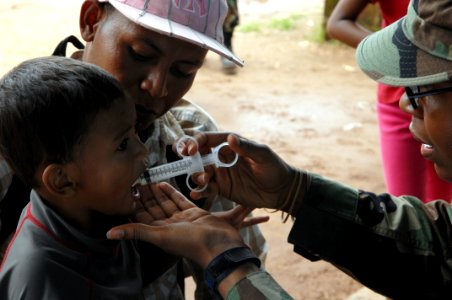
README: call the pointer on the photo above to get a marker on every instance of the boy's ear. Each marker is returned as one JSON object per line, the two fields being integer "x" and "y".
{"x": 59, "y": 179}
{"x": 91, "y": 13}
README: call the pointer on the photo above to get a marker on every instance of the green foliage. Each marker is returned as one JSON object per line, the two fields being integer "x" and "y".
{"x": 285, "y": 24}
{"x": 318, "y": 34}
{"x": 281, "y": 24}
{"x": 251, "y": 27}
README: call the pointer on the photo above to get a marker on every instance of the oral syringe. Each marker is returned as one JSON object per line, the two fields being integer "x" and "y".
{"x": 187, "y": 165}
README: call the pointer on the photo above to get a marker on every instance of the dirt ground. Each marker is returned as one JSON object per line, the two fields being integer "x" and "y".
{"x": 307, "y": 100}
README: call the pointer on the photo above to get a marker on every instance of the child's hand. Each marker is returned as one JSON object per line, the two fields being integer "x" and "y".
{"x": 181, "y": 228}
{"x": 150, "y": 210}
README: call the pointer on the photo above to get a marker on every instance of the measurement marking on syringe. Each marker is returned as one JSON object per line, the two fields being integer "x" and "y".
{"x": 188, "y": 165}
{"x": 171, "y": 168}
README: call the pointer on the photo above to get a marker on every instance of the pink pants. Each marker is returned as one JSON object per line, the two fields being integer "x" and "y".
{"x": 406, "y": 172}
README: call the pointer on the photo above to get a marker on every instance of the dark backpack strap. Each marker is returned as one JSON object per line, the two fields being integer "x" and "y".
{"x": 60, "y": 49}
{"x": 11, "y": 207}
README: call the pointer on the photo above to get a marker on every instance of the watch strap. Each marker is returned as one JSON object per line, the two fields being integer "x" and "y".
{"x": 225, "y": 263}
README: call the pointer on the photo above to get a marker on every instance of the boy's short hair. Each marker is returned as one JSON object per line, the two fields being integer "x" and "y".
{"x": 47, "y": 106}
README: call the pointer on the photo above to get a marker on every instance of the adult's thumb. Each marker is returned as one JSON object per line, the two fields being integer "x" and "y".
{"x": 132, "y": 231}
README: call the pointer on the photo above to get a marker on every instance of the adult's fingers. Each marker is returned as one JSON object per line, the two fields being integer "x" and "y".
{"x": 207, "y": 140}
{"x": 235, "y": 216}
{"x": 185, "y": 146}
{"x": 249, "y": 149}
{"x": 254, "y": 220}
{"x": 212, "y": 189}
{"x": 241, "y": 218}
{"x": 242, "y": 146}
{"x": 136, "y": 231}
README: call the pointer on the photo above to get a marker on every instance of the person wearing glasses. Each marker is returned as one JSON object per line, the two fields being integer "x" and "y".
{"x": 398, "y": 246}
{"x": 406, "y": 172}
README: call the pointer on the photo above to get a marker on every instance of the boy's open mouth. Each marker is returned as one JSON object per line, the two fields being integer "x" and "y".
{"x": 135, "y": 192}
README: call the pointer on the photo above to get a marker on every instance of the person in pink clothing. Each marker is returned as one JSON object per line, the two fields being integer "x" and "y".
{"x": 405, "y": 170}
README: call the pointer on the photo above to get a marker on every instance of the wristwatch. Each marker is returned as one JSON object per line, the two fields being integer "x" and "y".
{"x": 226, "y": 262}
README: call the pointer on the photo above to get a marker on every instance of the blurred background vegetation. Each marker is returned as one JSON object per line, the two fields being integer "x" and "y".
{"x": 369, "y": 18}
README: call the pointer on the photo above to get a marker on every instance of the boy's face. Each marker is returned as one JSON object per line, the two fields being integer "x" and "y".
{"x": 431, "y": 124}
{"x": 110, "y": 160}
{"x": 154, "y": 69}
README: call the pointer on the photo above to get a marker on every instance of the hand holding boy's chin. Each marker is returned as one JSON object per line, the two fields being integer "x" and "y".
{"x": 168, "y": 220}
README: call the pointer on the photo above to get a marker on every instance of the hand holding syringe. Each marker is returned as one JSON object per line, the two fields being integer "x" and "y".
{"x": 187, "y": 165}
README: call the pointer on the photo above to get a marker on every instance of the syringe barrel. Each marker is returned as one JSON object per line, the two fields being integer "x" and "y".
{"x": 187, "y": 165}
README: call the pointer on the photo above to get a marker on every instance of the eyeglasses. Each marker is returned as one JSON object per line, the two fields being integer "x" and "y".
{"x": 413, "y": 94}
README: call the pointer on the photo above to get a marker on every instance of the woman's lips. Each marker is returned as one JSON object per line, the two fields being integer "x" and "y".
{"x": 427, "y": 150}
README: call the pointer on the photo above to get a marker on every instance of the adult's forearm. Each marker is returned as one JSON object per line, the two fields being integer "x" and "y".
{"x": 256, "y": 285}
{"x": 396, "y": 246}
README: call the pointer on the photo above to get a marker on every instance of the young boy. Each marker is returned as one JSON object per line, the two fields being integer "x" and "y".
{"x": 68, "y": 131}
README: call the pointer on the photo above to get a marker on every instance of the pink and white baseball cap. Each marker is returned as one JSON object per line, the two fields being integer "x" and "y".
{"x": 196, "y": 21}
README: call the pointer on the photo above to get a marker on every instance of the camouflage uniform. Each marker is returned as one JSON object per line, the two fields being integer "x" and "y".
{"x": 399, "y": 247}
{"x": 258, "y": 286}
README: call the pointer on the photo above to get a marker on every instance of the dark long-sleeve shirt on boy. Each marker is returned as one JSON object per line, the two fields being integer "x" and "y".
{"x": 50, "y": 259}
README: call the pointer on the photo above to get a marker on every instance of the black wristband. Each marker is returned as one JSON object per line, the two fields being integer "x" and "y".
{"x": 225, "y": 263}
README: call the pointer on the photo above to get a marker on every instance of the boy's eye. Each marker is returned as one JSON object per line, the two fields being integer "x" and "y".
{"x": 123, "y": 145}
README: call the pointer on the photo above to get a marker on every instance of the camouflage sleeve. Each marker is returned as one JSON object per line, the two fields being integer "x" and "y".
{"x": 397, "y": 246}
{"x": 258, "y": 286}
